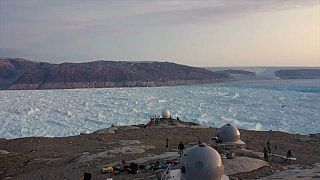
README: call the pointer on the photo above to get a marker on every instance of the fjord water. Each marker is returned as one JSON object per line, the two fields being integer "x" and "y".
{"x": 283, "y": 105}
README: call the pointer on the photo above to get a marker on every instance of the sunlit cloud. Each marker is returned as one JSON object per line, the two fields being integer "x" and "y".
{"x": 86, "y": 30}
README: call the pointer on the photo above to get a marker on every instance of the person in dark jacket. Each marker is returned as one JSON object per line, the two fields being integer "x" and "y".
{"x": 265, "y": 154}
{"x": 181, "y": 148}
{"x": 167, "y": 144}
{"x": 289, "y": 155}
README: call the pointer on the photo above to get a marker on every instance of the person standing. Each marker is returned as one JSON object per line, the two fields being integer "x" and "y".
{"x": 181, "y": 148}
{"x": 167, "y": 144}
{"x": 269, "y": 145}
{"x": 289, "y": 155}
{"x": 265, "y": 154}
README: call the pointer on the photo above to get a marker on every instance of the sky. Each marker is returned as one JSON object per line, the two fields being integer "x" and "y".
{"x": 199, "y": 33}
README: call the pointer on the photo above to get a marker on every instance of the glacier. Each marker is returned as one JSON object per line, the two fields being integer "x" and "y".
{"x": 280, "y": 105}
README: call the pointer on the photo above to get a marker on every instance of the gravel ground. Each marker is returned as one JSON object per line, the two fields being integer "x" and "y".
{"x": 56, "y": 158}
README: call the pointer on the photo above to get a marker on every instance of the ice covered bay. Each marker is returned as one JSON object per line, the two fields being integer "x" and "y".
{"x": 291, "y": 106}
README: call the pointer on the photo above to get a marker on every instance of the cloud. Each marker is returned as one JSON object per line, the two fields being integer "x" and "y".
{"x": 80, "y": 14}
{"x": 34, "y": 25}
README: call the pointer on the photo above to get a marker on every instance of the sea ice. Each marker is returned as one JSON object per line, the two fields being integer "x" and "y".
{"x": 284, "y": 105}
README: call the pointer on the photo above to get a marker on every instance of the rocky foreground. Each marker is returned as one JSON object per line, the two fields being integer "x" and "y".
{"x": 71, "y": 157}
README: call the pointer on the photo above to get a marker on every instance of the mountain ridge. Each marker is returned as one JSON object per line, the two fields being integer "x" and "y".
{"x": 24, "y": 74}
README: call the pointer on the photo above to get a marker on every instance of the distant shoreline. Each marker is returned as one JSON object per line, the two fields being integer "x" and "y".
{"x": 22, "y": 74}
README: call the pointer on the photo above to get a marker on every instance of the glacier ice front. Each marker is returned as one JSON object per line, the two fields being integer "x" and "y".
{"x": 291, "y": 106}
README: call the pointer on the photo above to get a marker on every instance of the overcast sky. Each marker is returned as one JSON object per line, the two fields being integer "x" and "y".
{"x": 198, "y": 33}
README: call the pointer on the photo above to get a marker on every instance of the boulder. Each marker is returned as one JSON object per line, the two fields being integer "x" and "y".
{"x": 3, "y": 152}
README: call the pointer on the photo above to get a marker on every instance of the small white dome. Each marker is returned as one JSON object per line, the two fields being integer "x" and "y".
{"x": 166, "y": 114}
{"x": 201, "y": 162}
{"x": 228, "y": 133}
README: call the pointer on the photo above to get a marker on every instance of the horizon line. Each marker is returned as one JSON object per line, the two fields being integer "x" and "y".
{"x": 140, "y": 61}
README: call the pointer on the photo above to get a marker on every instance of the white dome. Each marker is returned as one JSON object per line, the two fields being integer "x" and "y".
{"x": 228, "y": 133}
{"x": 166, "y": 114}
{"x": 201, "y": 162}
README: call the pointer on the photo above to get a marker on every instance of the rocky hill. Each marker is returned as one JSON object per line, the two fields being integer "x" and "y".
{"x": 25, "y": 74}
